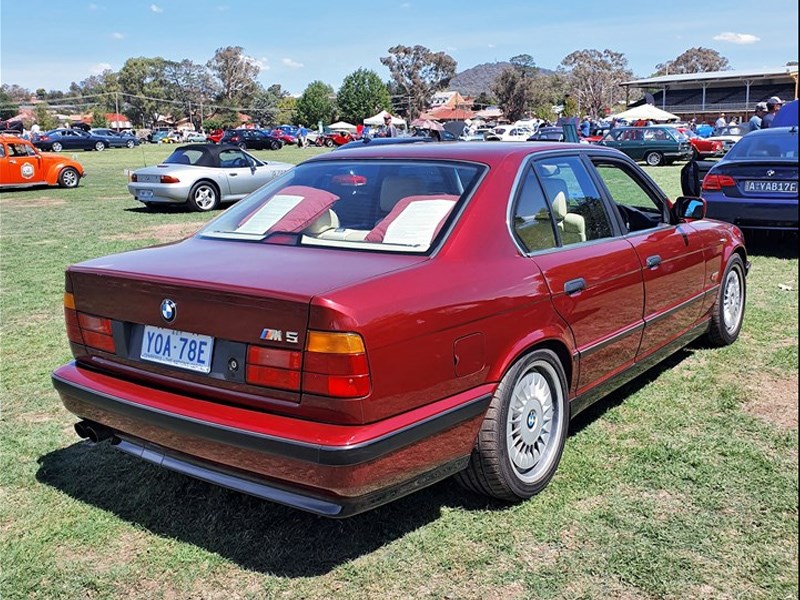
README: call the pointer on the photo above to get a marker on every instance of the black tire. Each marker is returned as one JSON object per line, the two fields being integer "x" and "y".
{"x": 130, "y": 144}
{"x": 536, "y": 386}
{"x": 695, "y": 154}
{"x": 56, "y": 147}
{"x": 69, "y": 178}
{"x": 203, "y": 197}
{"x": 329, "y": 143}
{"x": 727, "y": 314}
{"x": 654, "y": 159}
{"x": 275, "y": 145}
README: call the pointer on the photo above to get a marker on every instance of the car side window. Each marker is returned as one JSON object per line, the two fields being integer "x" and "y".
{"x": 637, "y": 206}
{"x": 2, "y": 151}
{"x": 532, "y": 221}
{"x": 232, "y": 159}
{"x": 578, "y": 209}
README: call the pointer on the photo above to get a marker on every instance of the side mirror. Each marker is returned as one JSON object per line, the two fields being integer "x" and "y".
{"x": 689, "y": 208}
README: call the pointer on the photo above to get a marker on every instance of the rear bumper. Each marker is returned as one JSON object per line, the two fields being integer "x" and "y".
{"x": 332, "y": 470}
{"x": 750, "y": 213}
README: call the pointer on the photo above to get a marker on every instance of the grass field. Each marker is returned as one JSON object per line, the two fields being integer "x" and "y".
{"x": 684, "y": 484}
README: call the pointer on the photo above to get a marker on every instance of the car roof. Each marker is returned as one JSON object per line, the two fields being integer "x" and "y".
{"x": 489, "y": 153}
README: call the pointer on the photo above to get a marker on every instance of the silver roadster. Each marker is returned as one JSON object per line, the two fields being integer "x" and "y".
{"x": 202, "y": 176}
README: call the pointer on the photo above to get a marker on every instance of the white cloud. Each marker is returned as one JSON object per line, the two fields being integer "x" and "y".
{"x": 156, "y": 8}
{"x": 288, "y": 62}
{"x": 491, "y": 45}
{"x": 261, "y": 63}
{"x": 117, "y": 35}
{"x": 93, "y": 7}
{"x": 99, "y": 68}
{"x": 737, "y": 38}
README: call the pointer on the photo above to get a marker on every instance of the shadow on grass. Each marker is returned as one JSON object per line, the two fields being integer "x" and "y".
{"x": 158, "y": 209}
{"x": 255, "y": 534}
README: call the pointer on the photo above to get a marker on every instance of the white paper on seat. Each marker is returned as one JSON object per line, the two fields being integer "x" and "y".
{"x": 417, "y": 223}
{"x": 269, "y": 214}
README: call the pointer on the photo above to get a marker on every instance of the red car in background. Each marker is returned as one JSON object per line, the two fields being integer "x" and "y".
{"x": 281, "y": 135}
{"x": 215, "y": 136}
{"x": 377, "y": 319}
{"x": 701, "y": 147}
{"x": 336, "y": 138}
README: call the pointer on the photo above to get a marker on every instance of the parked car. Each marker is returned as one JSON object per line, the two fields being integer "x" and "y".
{"x": 251, "y": 139}
{"x": 702, "y": 148}
{"x": 215, "y": 136}
{"x": 551, "y": 134}
{"x": 22, "y": 165}
{"x": 335, "y": 138}
{"x": 474, "y": 135}
{"x": 193, "y": 137}
{"x": 114, "y": 139}
{"x": 202, "y": 176}
{"x": 372, "y": 142}
{"x": 281, "y": 135}
{"x": 728, "y": 135}
{"x": 755, "y": 184}
{"x": 376, "y": 320}
{"x": 437, "y": 135}
{"x": 508, "y": 133}
{"x": 70, "y": 139}
{"x": 656, "y": 145}
{"x": 157, "y": 134}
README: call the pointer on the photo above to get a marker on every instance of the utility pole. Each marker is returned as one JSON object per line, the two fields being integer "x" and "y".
{"x": 116, "y": 109}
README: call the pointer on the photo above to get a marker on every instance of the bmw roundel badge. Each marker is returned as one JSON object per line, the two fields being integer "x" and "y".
{"x": 168, "y": 310}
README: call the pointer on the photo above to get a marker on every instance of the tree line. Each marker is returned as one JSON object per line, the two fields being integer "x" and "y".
{"x": 214, "y": 94}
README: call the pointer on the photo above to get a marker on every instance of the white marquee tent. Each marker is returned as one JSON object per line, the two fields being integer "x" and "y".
{"x": 343, "y": 126}
{"x": 646, "y": 112}
{"x": 378, "y": 120}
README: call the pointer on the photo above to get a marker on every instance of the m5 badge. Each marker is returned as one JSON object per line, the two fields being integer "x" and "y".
{"x": 276, "y": 335}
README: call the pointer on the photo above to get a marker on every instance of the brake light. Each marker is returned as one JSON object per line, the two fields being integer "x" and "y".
{"x": 717, "y": 182}
{"x": 271, "y": 367}
{"x": 336, "y": 365}
{"x": 87, "y": 330}
{"x": 169, "y": 179}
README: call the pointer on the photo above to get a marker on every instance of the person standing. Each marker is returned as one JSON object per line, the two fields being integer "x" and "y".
{"x": 585, "y": 126}
{"x": 721, "y": 122}
{"x": 302, "y": 136}
{"x": 773, "y": 106}
{"x": 389, "y": 130}
{"x": 758, "y": 113}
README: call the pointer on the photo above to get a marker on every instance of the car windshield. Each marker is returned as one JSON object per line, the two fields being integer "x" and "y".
{"x": 775, "y": 145}
{"x": 379, "y": 205}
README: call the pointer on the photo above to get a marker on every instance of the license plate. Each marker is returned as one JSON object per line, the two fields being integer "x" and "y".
{"x": 144, "y": 194}
{"x": 177, "y": 348}
{"x": 149, "y": 178}
{"x": 781, "y": 187}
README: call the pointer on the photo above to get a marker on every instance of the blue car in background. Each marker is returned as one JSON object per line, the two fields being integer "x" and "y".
{"x": 754, "y": 186}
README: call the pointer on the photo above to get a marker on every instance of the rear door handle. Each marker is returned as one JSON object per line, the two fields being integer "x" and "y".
{"x": 573, "y": 286}
{"x": 233, "y": 174}
{"x": 653, "y": 261}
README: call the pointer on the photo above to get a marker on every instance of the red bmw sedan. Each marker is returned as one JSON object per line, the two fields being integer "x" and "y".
{"x": 380, "y": 318}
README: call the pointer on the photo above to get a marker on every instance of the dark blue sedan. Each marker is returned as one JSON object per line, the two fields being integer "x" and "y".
{"x": 70, "y": 139}
{"x": 755, "y": 185}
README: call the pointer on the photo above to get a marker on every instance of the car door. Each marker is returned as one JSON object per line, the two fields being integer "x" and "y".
{"x": 671, "y": 256}
{"x": 593, "y": 273}
{"x": 243, "y": 172}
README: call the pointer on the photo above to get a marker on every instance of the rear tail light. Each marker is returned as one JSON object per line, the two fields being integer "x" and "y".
{"x": 270, "y": 367}
{"x": 717, "y": 182}
{"x": 336, "y": 365}
{"x": 169, "y": 179}
{"x": 87, "y": 330}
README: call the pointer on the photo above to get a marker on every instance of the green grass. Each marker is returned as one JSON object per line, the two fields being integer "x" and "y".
{"x": 681, "y": 485}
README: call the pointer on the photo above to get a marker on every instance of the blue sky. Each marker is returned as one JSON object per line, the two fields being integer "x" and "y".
{"x": 44, "y": 43}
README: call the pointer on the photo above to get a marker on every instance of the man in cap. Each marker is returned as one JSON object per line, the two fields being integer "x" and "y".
{"x": 758, "y": 114}
{"x": 773, "y": 106}
{"x": 721, "y": 122}
{"x": 389, "y": 129}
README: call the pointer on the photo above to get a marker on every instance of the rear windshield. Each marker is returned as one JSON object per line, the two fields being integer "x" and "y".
{"x": 390, "y": 206}
{"x": 774, "y": 145}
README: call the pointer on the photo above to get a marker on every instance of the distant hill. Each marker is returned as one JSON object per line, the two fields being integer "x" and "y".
{"x": 479, "y": 78}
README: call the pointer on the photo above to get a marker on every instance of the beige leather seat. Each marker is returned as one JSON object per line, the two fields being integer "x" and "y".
{"x": 394, "y": 188}
{"x": 325, "y": 222}
{"x": 572, "y": 226}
